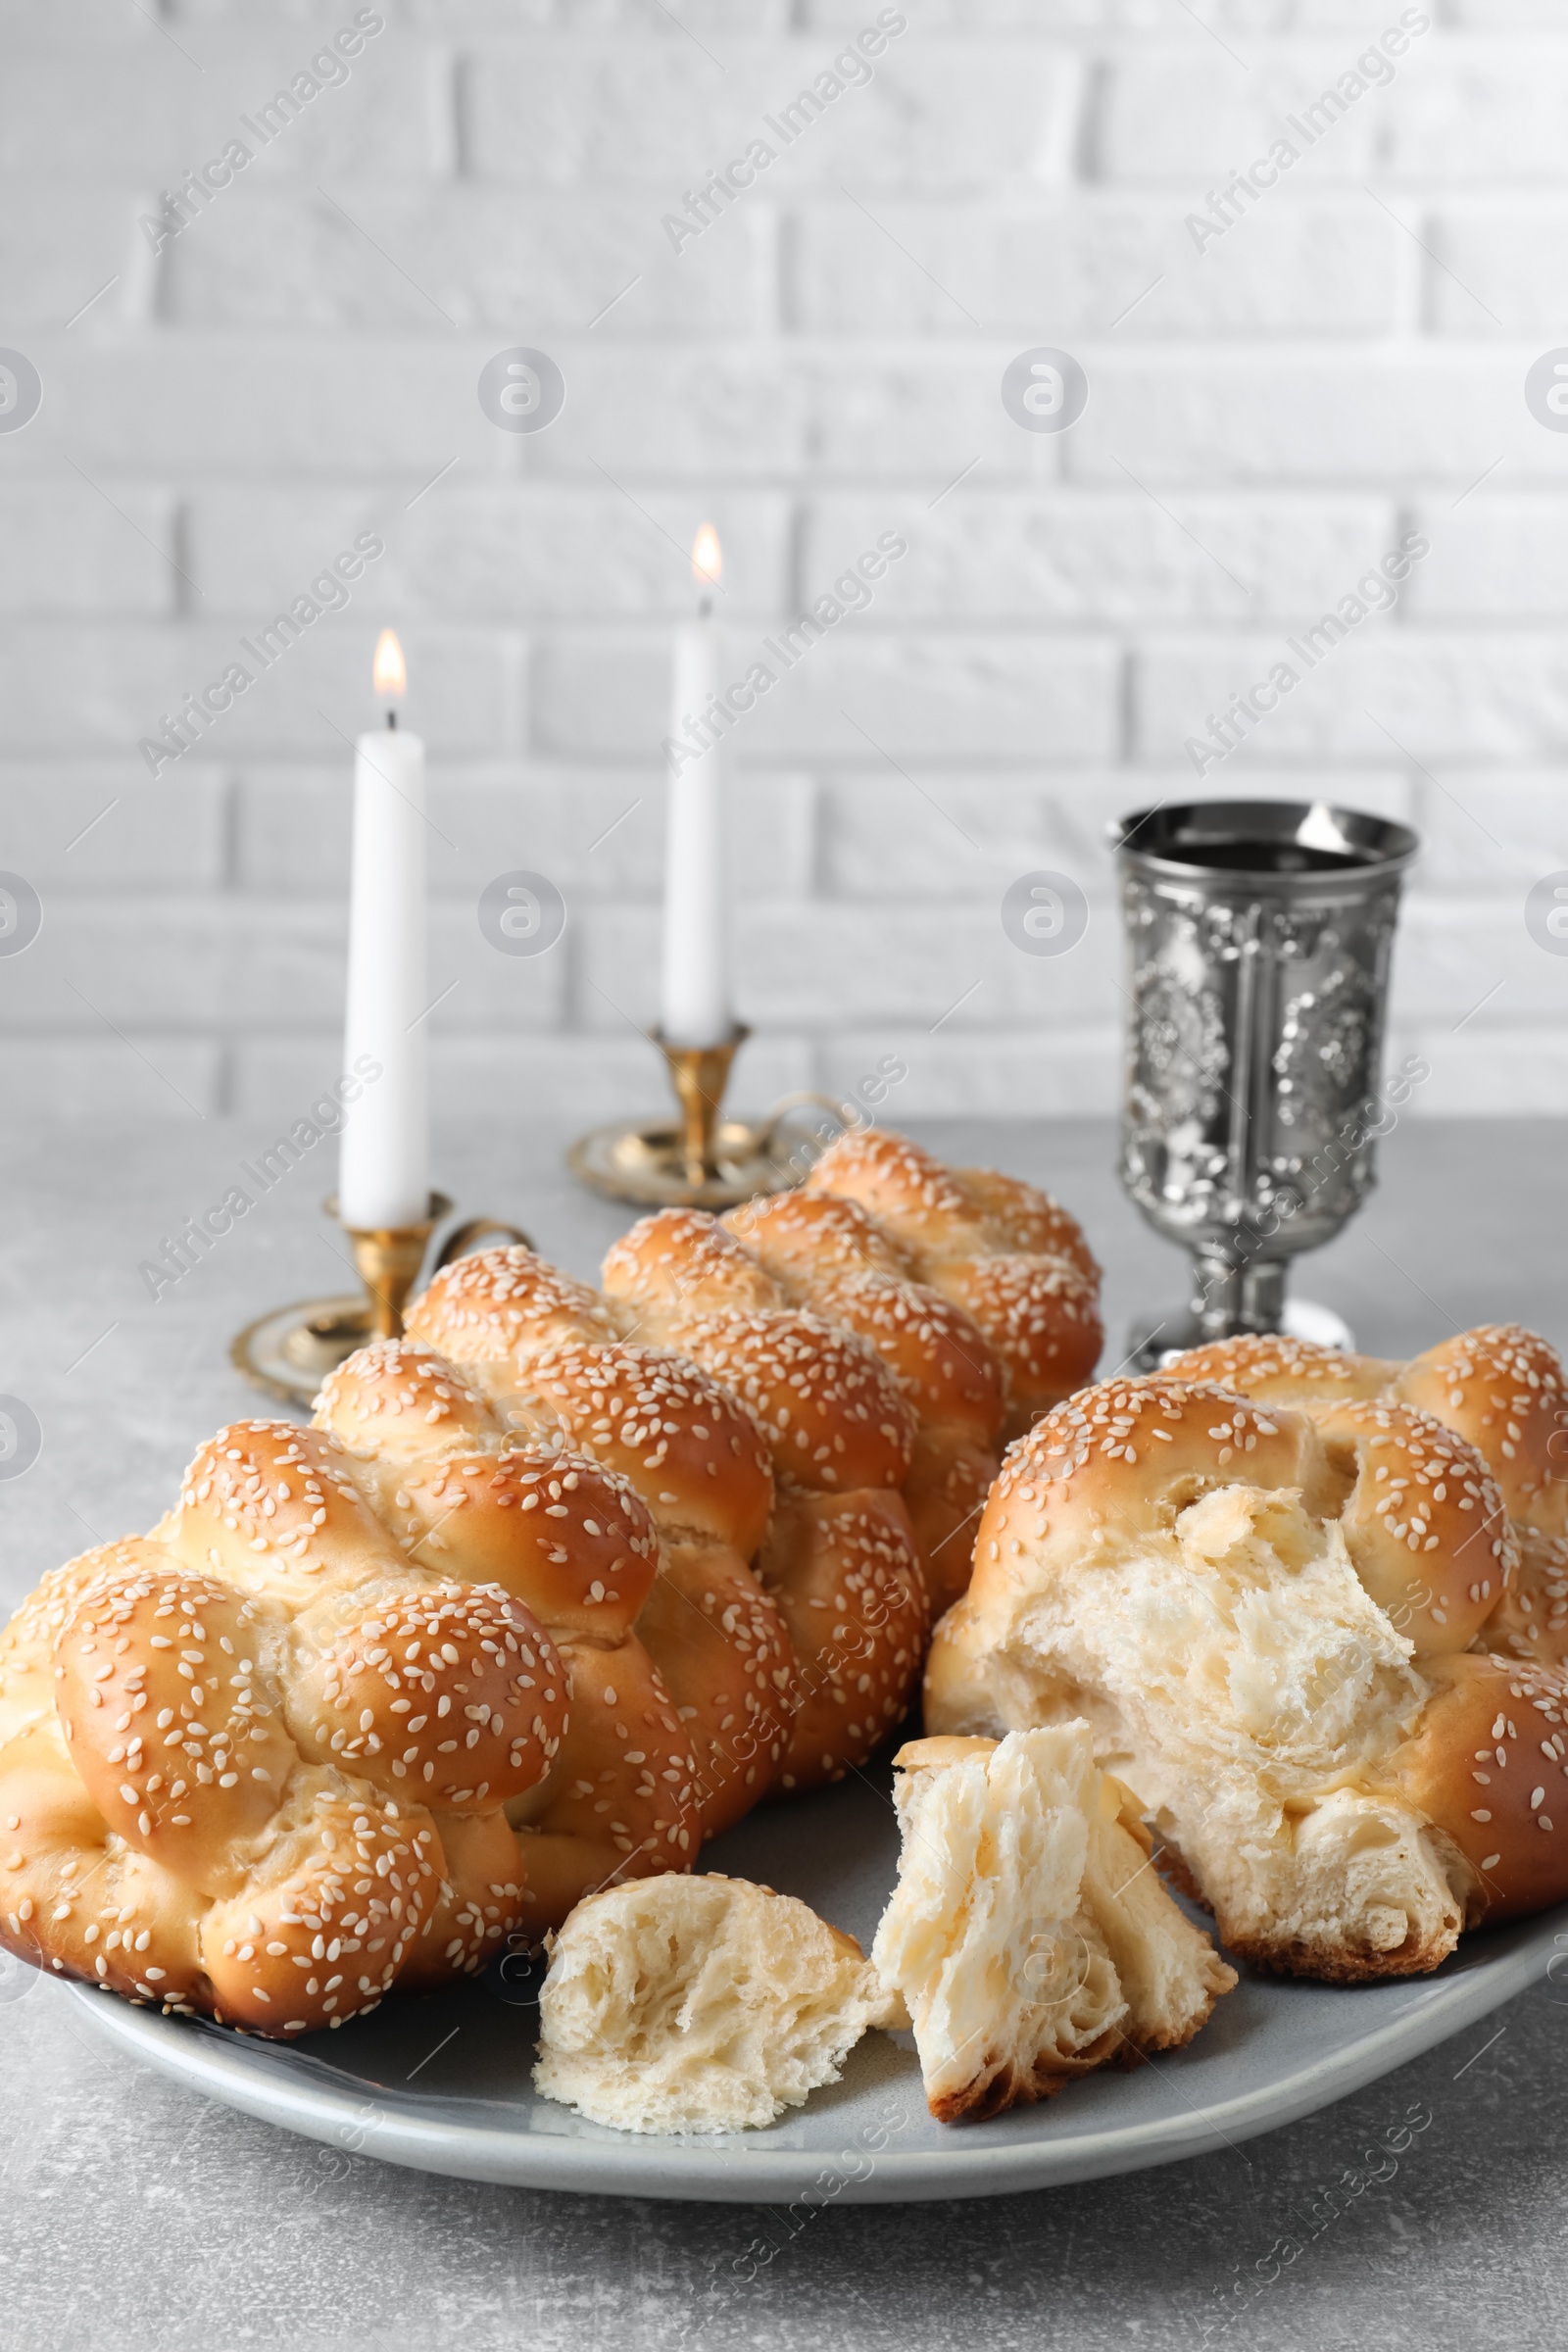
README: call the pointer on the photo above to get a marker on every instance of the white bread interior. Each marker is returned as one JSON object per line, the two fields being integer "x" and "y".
{"x": 698, "y": 2004}
{"x": 1029, "y": 1937}
{"x": 1233, "y": 1666}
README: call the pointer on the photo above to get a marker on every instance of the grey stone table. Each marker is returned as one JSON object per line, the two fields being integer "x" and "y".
{"x": 135, "y": 2215}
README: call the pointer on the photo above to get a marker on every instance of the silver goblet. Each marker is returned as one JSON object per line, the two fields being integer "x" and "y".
{"x": 1259, "y": 935}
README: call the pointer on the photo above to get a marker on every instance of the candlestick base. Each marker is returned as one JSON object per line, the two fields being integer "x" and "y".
{"x": 702, "y": 1159}
{"x": 290, "y": 1352}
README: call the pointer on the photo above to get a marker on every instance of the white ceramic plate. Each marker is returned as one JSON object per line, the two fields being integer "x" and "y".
{"x": 443, "y": 2083}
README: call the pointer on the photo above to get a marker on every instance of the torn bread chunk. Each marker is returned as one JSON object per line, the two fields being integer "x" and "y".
{"x": 1279, "y": 1622}
{"x": 699, "y": 2004}
{"x": 1029, "y": 1936}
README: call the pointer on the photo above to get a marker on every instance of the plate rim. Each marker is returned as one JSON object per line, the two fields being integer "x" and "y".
{"x": 752, "y": 2168}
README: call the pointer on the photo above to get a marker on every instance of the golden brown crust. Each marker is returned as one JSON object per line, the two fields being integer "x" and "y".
{"x": 1288, "y": 1956}
{"x": 911, "y": 1195}
{"x": 723, "y": 1655}
{"x": 259, "y": 1739}
{"x": 279, "y": 1784}
{"x": 324, "y": 1923}
{"x": 1423, "y": 1523}
{"x": 939, "y": 1357}
{"x": 1142, "y": 1449}
{"x": 168, "y": 1694}
{"x": 1000, "y": 2085}
{"x": 453, "y": 1695}
{"x": 833, "y": 1415}
{"x": 1006, "y": 1254}
{"x": 502, "y": 1307}
{"x": 28, "y": 1642}
{"x": 945, "y": 1492}
{"x": 1531, "y": 1621}
{"x": 273, "y": 1509}
{"x": 625, "y": 1777}
{"x": 933, "y": 1211}
{"x": 79, "y": 1901}
{"x": 831, "y": 1258}
{"x": 553, "y": 1528}
{"x": 481, "y": 1897}
{"x": 682, "y": 1263}
{"x": 1489, "y": 1763}
{"x": 1502, "y": 1388}
{"x": 1027, "y": 1218}
{"x": 978, "y": 1292}
{"x": 1274, "y": 1369}
{"x": 804, "y": 1239}
{"x": 1041, "y": 1315}
{"x": 557, "y": 1873}
{"x": 399, "y": 1397}
{"x": 845, "y": 1575}
{"x": 680, "y": 1439}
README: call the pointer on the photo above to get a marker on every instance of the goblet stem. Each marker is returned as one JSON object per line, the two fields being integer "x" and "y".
{"x": 1229, "y": 1298}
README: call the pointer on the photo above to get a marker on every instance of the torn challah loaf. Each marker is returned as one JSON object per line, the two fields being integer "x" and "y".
{"x": 1028, "y": 1940}
{"x": 1274, "y": 1621}
{"x": 698, "y": 2004}
{"x": 1028, "y": 1935}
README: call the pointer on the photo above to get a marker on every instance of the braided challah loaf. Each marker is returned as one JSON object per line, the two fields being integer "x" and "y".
{"x": 380, "y": 1691}
{"x": 224, "y": 1750}
{"x": 859, "y": 1378}
{"x": 790, "y": 1675}
{"x": 977, "y": 1292}
{"x": 1279, "y": 1617}
{"x": 1010, "y": 1256}
{"x": 556, "y": 1587}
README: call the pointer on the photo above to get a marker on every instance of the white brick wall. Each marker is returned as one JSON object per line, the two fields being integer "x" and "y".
{"x": 1267, "y": 416}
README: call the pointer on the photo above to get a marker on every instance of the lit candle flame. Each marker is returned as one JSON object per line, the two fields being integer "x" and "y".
{"x": 390, "y": 673}
{"x": 708, "y": 558}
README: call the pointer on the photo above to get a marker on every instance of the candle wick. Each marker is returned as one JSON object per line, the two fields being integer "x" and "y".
{"x": 392, "y": 718}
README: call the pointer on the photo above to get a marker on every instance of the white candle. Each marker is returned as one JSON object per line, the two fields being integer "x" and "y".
{"x": 385, "y": 1155}
{"x": 696, "y": 1008}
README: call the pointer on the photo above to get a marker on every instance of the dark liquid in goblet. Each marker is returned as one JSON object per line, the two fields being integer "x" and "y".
{"x": 1263, "y": 856}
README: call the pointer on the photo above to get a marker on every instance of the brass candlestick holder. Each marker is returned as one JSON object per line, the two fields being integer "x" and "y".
{"x": 290, "y": 1352}
{"x": 702, "y": 1159}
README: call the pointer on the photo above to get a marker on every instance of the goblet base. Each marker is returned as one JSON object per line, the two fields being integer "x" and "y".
{"x": 1150, "y": 1344}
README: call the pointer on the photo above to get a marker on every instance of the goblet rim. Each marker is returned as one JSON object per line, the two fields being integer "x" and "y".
{"x": 1380, "y": 847}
